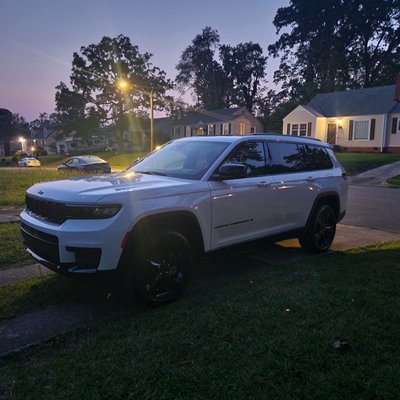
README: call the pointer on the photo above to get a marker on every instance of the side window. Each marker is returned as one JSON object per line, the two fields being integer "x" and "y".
{"x": 286, "y": 157}
{"x": 318, "y": 158}
{"x": 250, "y": 154}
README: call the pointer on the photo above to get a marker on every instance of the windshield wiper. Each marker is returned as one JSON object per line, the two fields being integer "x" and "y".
{"x": 151, "y": 173}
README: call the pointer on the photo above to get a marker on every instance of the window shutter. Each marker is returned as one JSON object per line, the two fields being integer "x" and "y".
{"x": 229, "y": 128}
{"x": 215, "y": 129}
{"x": 309, "y": 129}
{"x": 221, "y": 129}
{"x": 372, "y": 129}
{"x": 288, "y": 129}
{"x": 394, "y": 125}
{"x": 351, "y": 123}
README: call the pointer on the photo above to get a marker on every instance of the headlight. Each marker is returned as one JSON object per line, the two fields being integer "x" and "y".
{"x": 91, "y": 211}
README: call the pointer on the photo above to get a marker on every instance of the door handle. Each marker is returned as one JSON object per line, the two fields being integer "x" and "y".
{"x": 263, "y": 184}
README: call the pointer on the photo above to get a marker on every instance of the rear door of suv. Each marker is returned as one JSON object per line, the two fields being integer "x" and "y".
{"x": 298, "y": 172}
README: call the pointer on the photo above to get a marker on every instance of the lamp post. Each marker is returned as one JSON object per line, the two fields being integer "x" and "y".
{"x": 123, "y": 85}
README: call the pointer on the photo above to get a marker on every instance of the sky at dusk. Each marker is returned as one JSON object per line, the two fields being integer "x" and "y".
{"x": 38, "y": 38}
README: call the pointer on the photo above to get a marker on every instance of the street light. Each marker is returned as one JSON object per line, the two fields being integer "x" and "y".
{"x": 123, "y": 85}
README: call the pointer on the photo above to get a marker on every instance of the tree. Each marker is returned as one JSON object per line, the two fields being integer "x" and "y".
{"x": 96, "y": 94}
{"x": 6, "y": 129}
{"x": 232, "y": 78}
{"x": 199, "y": 70}
{"x": 244, "y": 65}
{"x": 336, "y": 45}
{"x": 11, "y": 124}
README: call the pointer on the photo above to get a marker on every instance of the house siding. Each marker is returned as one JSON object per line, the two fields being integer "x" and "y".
{"x": 300, "y": 116}
{"x": 349, "y": 141}
{"x": 393, "y": 139}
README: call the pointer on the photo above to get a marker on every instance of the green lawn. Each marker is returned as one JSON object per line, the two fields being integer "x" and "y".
{"x": 355, "y": 163}
{"x": 265, "y": 333}
{"x": 395, "y": 181}
{"x": 12, "y": 251}
{"x": 117, "y": 161}
{"x": 14, "y": 183}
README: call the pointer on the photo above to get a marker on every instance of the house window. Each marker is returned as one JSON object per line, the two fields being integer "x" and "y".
{"x": 295, "y": 129}
{"x": 242, "y": 128}
{"x": 361, "y": 130}
{"x": 176, "y": 131}
{"x": 225, "y": 129}
{"x": 210, "y": 129}
{"x": 252, "y": 129}
{"x": 187, "y": 131}
{"x": 303, "y": 129}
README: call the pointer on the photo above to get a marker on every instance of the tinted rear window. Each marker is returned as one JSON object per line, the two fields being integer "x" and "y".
{"x": 296, "y": 157}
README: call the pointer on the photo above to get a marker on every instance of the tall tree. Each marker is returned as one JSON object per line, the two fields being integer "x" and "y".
{"x": 198, "y": 69}
{"x": 98, "y": 71}
{"x": 222, "y": 76}
{"x": 12, "y": 124}
{"x": 336, "y": 44}
{"x": 72, "y": 112}
{"x": 244, "y": 66}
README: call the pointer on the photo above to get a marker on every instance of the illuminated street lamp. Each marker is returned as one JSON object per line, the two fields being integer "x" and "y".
{"x": 123, "y": 85}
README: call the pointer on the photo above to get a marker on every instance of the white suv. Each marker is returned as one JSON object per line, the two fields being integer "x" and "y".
{"x": 194, "y": 195}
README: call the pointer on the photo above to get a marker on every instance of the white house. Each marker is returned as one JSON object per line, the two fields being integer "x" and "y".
{"x": 358, "y": 120}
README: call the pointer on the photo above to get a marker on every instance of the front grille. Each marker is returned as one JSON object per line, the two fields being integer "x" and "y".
{"x": 42, "y": 244}
{"x": 50, "y": 210}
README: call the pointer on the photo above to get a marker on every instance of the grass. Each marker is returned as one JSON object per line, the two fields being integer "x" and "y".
{"x": 267, "y": 332}
{"x": 117, "y": 161}
{"x": 395, "y": 181}
{"x": 15, "y": 182}
{"x": 356, "y": 163}
{"x": 12, "y": 251}
{"x": 33, "y": 294}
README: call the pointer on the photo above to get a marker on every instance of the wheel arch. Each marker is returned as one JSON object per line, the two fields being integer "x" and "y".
{"x": 183, "y": 222}
{"x": 331, "y": 199}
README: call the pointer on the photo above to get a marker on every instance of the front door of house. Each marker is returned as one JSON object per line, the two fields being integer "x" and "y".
{"x": 331, "y": 137}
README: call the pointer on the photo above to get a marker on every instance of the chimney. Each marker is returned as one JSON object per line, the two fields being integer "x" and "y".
{"x": 397, "y": 91}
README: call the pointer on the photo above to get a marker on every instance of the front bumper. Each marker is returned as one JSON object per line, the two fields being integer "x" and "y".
{"x": 76, "y": 247}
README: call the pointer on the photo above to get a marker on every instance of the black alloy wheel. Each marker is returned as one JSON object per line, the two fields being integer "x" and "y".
{"x": 319, "y": 235}
{"x": 162, "y": 268}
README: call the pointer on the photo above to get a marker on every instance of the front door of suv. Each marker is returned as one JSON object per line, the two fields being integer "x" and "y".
{"x": 243, "y": 209}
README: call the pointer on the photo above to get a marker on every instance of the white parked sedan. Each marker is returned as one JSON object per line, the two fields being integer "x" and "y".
{"x": 29, "y": 162}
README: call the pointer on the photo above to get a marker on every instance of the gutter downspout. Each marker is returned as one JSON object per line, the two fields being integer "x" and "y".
{"x": 385, "y": 119}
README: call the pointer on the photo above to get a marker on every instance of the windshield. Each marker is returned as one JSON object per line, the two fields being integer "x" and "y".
{"x": 181, "y": 159}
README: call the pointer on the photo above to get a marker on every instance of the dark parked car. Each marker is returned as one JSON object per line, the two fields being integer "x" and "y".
{"x": 89, "y": 164}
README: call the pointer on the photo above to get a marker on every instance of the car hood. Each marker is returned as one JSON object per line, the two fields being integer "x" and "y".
{"x": 94, "y": 188}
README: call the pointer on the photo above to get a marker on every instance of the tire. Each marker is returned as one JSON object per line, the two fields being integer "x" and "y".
{"x": 319, "y": 235}
{"x": 162, "y": 268}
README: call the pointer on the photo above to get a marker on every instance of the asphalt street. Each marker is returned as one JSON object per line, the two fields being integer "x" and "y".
{"x": 373, "y": 207}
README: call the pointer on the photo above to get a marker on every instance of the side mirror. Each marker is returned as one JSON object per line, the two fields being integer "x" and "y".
{"x": 232, "y": 171}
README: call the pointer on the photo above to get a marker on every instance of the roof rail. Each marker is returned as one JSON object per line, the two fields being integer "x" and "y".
{"x": 281, "y": 134}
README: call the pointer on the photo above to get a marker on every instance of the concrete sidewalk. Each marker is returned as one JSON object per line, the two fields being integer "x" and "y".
{"x": 377, "y": 176}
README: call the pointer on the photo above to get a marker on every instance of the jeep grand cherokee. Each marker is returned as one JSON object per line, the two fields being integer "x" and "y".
{"x": 192, "y": 196}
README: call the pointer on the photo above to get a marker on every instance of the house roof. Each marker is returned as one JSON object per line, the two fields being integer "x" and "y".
{"x": 369, "y": 101}
{"x": 224, "y": 114}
